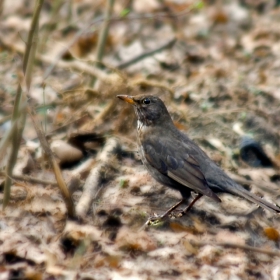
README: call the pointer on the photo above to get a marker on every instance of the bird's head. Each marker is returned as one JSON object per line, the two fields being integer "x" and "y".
{"x": 150, "y": 110}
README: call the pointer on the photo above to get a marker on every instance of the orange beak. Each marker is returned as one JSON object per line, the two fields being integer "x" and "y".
{"x": 127, "y": 98}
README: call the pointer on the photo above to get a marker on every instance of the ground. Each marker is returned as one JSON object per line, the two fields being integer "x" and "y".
{"x": 216, "y": 66}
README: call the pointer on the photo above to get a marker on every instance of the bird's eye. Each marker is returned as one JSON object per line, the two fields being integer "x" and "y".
{"x": 146, "y": 101}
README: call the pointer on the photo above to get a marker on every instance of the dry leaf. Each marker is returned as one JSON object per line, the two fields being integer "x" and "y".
{"x": 272, "y": 234}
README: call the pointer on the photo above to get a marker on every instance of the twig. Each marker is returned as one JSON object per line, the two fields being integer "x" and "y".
{"x": 144, "y": 55}
{"x": 104, "y": 31}
{"x": 84, "y": 167}
{"x": 103, "y": 37}
{"x": 238, "y": 246}
{"x": 30, "y": 179}
{"x": 59, "y": 178}
{"x": 92, "y": 185}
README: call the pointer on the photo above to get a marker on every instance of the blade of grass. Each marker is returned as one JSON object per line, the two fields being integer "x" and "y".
{"x": 104, "y": 32}
{"x": 15, "y": 137}
{"x": 103, "y": 36}
{"x": 32, "y": 31}
{"x": 52, "y": 22}
{"x": 18, "y": 115}
{"x": 31, "y": 58}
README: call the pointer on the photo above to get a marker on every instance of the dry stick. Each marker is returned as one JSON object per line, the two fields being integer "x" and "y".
{"x": 104, "y": 31}
{"x": 92, "y": 184}
{"x": 84, "y": 167}
{"x": 59, "y": 178}
{"x": 237, "y": 246}
{"x": 30, "y": 179}
{"x": 144, "y": 55}
{"x": 103, "y": 36}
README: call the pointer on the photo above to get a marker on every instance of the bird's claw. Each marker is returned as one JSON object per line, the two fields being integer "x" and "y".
{"x": 177, "y": 214}
{"x": 154, "y": 220}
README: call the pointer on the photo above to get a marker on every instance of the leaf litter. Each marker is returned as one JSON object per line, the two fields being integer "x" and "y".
{"x": 219, "y": 81}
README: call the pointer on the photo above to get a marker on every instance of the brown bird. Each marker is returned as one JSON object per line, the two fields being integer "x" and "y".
{"x": 174, "y": 160}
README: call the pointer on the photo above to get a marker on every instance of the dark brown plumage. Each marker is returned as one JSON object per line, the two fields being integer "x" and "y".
{"x": 176, "y": 161}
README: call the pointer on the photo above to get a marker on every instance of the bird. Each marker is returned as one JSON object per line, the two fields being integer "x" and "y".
{"x": 175, "y": 161}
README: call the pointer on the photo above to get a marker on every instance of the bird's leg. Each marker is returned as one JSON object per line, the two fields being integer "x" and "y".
{"x": 154, "y": 219}
{"x": 165, "y": 214}
{"x": 187, "y": 209}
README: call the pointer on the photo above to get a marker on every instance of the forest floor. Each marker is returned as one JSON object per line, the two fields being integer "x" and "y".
{"x": 216, "y": 65}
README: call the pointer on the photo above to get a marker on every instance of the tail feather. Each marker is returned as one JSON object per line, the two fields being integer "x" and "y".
{"x": 240, "y": 191}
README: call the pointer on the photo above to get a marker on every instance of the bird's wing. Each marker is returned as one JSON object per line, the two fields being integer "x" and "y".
{"x": 173, "y": 159}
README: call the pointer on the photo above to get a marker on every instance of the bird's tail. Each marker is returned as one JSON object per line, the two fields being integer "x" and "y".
{"x": 240, "y": 191}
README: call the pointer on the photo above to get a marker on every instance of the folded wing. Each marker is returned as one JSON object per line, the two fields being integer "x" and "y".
{"x": 163, "y": 155}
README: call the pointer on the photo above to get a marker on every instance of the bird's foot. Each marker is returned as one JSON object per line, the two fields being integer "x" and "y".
{"x": 177, "y": 214}
{"x": 181, "y": 213}
{"x": 155, "y": 220}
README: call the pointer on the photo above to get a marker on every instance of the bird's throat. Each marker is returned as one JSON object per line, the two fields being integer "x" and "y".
{"x": 140, "y": 126}
{"x": 142, "y": 130}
